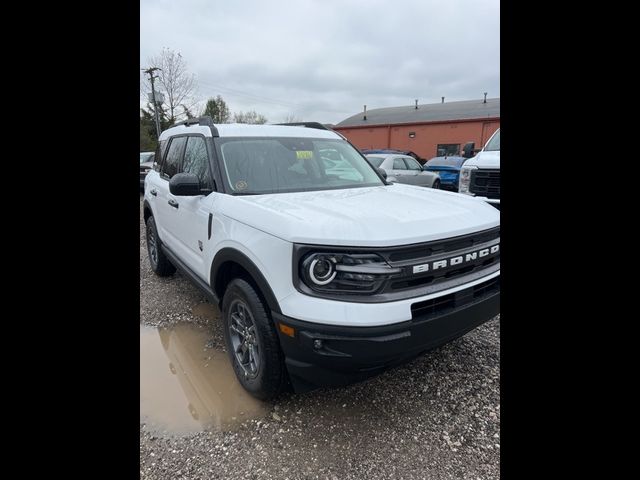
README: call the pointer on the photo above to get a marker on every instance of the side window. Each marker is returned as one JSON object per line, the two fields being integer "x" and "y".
{"x": 398, "y": 164}
{"x": 196, "y": 160}
{"x": 412, "y": 164}
{"x": 172, "y": 161}
{"x": 157, "y": 157}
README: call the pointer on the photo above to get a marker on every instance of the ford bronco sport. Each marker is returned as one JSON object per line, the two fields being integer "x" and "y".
{"x": 323, "y": 276}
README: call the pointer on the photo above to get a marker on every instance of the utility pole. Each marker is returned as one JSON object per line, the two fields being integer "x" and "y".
{"x": 149, "y": 72}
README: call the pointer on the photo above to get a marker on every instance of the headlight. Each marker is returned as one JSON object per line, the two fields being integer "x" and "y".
{"x": 465, "y": 179}
{"x": 345, "y": 273}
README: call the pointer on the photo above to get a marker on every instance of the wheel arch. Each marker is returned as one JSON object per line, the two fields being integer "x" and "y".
{"x": 230, "y": 263}
{"x": 146, "y": 209}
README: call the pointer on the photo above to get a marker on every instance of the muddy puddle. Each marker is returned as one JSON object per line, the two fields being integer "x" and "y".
{"x": 187, "y": 387}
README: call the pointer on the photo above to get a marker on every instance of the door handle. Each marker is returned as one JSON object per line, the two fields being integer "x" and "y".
{"x": 153, "y": 192}
{"x": 173, "y": 203}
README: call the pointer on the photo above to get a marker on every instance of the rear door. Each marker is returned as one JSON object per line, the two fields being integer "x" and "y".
{"x": 400, "y": 170}
{"x": 192, "y": 219}
{"x": 166, "y": 210}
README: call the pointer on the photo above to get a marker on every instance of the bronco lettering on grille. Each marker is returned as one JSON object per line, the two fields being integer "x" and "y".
{"x": 453, "y": 261}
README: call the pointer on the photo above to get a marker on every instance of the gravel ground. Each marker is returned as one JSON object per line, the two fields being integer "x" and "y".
{"x": 437, "y": 417}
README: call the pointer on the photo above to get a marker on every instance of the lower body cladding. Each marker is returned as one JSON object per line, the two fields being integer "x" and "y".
{"x": 319, "y": 355}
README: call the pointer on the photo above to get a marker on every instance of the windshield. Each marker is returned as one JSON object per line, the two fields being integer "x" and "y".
{"x": 256, "y": 165}
{"x": 145, "y": 156}
{"x": 375, "y": 161}
{"x": 494, "y": 143}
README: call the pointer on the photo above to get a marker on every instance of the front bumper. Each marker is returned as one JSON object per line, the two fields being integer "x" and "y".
{"x": 350, "y": 354}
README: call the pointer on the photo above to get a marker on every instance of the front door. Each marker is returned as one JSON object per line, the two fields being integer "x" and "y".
{"x": 192, "y": 227}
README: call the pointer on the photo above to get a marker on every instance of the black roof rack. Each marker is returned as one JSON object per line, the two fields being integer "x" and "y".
{"x": 317, "y": 125}
{"x": 204, "y": 121}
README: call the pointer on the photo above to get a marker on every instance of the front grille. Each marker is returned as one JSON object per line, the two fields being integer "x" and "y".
{"x": 423, "y": 250}
{"x": 485, "y": 183}
{"x": 446, "y": 303}
{"x": 408, "y": 257}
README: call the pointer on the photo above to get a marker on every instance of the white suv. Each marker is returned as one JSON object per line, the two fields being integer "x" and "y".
{"x": 323, "y": 275}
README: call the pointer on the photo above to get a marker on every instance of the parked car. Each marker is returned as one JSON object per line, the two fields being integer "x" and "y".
{"x": 480, "y": 175}
{"x": 401, "y": 152}
{"x": 404, "y": 169}
{"x": 322, "y": 279}
{"x": 146, "y": 164}
{"x": 449, "y": 170}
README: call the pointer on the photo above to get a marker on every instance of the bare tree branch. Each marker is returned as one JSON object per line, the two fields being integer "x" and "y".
{"x": 174, "y": 81}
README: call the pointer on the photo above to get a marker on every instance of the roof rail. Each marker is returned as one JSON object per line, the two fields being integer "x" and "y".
{"x": 204, "y": 121}
{"x": 316, "y": 125}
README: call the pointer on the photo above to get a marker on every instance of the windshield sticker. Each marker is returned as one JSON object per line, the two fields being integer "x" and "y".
{"x": 304, "y": 154}
{"x": 241, "y": 185}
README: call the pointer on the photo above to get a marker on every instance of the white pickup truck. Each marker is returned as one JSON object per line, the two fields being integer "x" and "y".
{"x": 480, "y": 175}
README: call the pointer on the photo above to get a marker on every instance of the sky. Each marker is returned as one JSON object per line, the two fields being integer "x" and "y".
{"x": 322, "y": 60}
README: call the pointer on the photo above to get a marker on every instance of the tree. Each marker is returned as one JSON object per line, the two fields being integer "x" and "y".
{"x": 148, "y": 142}
{"x": 249, "y": 117}
{"x": 187, "y": 112}
{"x": 174, "y": 81}
{"x": 218, "y": 110}
{"x": 291, "y": 118}
{"x": 148, "y": 135}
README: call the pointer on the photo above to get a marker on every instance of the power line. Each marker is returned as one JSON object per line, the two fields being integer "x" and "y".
{"x": 231, "y": 91}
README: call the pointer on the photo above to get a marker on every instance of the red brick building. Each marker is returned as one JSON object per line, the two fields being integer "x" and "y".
{"x": 428, "y": 130}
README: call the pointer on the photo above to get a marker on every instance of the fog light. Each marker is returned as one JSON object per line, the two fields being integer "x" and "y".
{"x": 317, "y": 344}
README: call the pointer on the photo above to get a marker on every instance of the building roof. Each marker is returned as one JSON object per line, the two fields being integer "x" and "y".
{"x": 434, "y": 112}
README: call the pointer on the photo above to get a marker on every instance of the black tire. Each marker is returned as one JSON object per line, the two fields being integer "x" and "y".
{"x": 436, "y": 184}
{"x": 269, "y": 377}
{"x": 160, "y": 264}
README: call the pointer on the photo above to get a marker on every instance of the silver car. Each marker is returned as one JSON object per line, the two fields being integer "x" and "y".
{"x": 404, "y": 169}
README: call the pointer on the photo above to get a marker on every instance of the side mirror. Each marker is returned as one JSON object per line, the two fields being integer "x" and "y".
{"x": 467, "y": 150}
{"x": 382, "y": 172}
{"x": 185, "y": 185}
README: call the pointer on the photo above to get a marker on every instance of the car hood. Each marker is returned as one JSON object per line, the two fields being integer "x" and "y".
{"x": 485, "y": 160}
{"x": 375, "y": 216}
{"x": 146, "y": 165}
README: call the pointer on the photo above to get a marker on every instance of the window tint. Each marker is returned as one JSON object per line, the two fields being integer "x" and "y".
{"x": 412, "y": 164}
{"x": 196, "y": 160}
{"x": 398, "y": 164}
{"x": 171, "y": 164}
